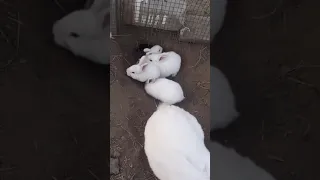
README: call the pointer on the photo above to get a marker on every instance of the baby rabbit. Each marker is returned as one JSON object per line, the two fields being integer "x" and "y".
{"x": 145, "y": 49}
{"x": 174, "y": 145}
{"x": 85, "y": 32}
{"x": 227, "y": 164}
{"x": 165, "y": 90}
{"x": 143, "y": 71}
{"x": 168, "y": 62}
{"x": 223, "y": 110}
{"x": 154, "y": 49}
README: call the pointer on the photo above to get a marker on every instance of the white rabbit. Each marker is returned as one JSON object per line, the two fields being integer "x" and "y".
{"x": 168, "y": 62}
{"x": 165, "y": 90}
{"x": 85, "y": 32}
{"x": 174, "y": 145}
{"x": 227, "y": 164}
{"x": 154, "y": 49}
{"x": 217, "y": 13}
{"x": 144, "y": 71}
{"x": 222, "y": 101}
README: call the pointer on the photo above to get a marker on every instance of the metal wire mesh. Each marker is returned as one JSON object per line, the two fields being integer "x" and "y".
{"x": 190, "y": 18}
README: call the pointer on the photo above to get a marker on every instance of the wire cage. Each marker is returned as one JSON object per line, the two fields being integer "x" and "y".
{"x": 114, "y": 16}
{"x": 191, "y": 19}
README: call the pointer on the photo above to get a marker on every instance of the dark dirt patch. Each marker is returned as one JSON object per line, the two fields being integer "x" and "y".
{"x": 53, "y": 105}
{"x": 259, "y": 52}
{"x": 131, "y": 106}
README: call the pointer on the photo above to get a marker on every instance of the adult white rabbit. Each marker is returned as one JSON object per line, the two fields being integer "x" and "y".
{"x": 168, "y": 62}
{"x": 222, "y": 101}
{"x": 174, "y": 145}
{"x": 86, "y": 33}
{"x": 227, "y": 164}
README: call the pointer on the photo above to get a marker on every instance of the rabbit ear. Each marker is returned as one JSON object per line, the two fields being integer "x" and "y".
{"x": 143, "y": 66}
{"x": 102, "y": 9}
{"x": 88, "y": 4}
{"x": 104, "y": 15}
{"x": 146, "y": 50}
{"x": 97, "y": 5}
{"x": 162, "y": 57}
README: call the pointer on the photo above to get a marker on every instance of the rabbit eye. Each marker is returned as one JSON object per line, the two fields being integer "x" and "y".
{"x": 73, "y": 34}
{"x": 133, "y": 72}
{"x": 150, "y": 60}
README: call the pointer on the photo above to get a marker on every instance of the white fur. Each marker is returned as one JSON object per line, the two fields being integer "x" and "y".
{"x": 154, "y": 49}
{"x": 174, "y": 145}
{"x": 82, "y": 22}
{"x": 143, "y": 60}
{"x": 92, "y": 49}
{"x": 227, "y": 164}
{"x": 168, "y": 62}
{"x": 143, "y": 72}
{"x": 222, "y": 101}
{"x": 92, "y": 42}
{"x": 165, "y": 90}
{"x": 217, "y": 14}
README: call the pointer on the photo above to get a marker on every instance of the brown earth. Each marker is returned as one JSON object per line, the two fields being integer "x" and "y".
{"x": 131, "y": 106}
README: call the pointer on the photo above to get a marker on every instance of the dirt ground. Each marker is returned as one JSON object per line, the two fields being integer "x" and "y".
{"x": 131, "y": 107}
{"x": 260, "y": 51}
{"x": 54, "y": 107}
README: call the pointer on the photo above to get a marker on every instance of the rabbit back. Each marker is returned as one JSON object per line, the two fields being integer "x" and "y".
{"x": 165, "y": 90}
{"x": 170, "y": 65}
{"x": 173, "y": 147}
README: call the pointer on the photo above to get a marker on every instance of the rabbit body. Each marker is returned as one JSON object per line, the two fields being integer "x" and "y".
{"x": 174, "y": 145}
{"x": 227, "y": 164}
{"x": 222, "y": 101}
{"x": 165, "y": 90}
{"x": 168, "y": 62}
{"x": 143, "y": 72}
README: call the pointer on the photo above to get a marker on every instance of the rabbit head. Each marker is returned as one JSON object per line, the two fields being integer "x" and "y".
{"x": 143, "y": 72}
{"x": 154, "y": 49}
{"x": 135, "y": 70}
{"x": 82, "y": 23}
